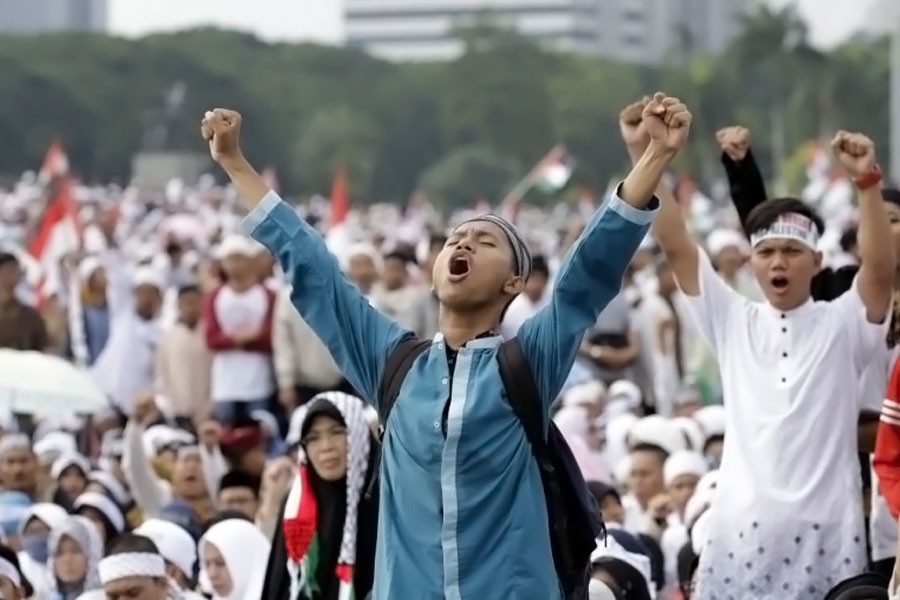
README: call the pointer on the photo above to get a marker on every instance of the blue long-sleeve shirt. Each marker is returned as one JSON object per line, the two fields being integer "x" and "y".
{"x": 462, "y": 517}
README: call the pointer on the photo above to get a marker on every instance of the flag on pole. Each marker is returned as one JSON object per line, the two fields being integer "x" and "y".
{"x": 553, "y": 172}
{"x": 57, "y": 236}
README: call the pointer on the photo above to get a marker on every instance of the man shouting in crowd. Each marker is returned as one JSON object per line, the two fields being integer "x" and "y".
{"x": 463, "y": 513}
{"x": 785, "y": 522}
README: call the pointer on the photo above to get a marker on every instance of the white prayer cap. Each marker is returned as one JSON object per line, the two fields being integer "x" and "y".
{"x": 53, "y": 445}
{"x": 88, "y": 266}
{"x": 657, "y": 431}
{"x": 112, "y": 485}
{"x": 295, "y": 425}
{"x": 147, "y": 276}
{"x": 14, "y": 441}
{"x": 585, "y": 394}
{"x": 626, "y": 390}
{"x": 237, "y": 245}
{"x": 70, "y": 459}
{"x": 175, "y": 544}
{"x": 104, "y": 505}
{"x": 711, "y": 419}
{"x": 684, "y": 462}
{"x": 720, "y": 239}
{"x": 692, "y": 432}
{"x": 160, "y": 436}
{"x": 361, "y": 249}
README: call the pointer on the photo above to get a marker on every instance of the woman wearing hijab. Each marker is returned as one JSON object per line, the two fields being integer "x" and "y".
{"x": 75, "y": 551}
{"x": 34, "y": 535}
{"x": 233, "y": 560}
{"x": 326, "y": 548}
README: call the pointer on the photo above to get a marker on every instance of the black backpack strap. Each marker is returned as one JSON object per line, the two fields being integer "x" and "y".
{"x": 396, "y": 368}
{"x": 522, "y": 393}
{"x": 525, "y": 400}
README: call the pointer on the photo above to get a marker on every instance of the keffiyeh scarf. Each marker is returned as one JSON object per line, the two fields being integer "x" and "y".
{"x": 300, "y": 535}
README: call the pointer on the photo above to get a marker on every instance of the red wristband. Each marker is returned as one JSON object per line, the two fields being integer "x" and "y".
{"x": 869, "y": 180}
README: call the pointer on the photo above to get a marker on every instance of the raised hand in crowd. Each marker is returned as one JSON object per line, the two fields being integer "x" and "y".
{"x": 854, "y": 152}
{"x": 631, "y": 126}
{"x": 734, "y": 141}
{"x": 667, "y": 121}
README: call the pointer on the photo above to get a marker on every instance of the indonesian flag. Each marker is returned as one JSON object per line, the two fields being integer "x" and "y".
{"x": 886, "y": 459}
{"x": 57, "y": 236}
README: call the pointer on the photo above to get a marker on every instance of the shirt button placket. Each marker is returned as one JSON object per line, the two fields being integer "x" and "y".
{"x": 784, "y": 353}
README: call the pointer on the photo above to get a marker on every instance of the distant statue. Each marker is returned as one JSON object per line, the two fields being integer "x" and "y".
{"x": 160, "y": 122}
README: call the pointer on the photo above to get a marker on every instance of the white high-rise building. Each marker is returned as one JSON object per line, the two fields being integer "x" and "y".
{"x": 39, "y": 16}
{"x": 640, "y": 31}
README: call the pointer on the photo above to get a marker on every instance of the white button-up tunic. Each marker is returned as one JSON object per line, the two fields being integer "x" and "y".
{"x": 787, "y": 518}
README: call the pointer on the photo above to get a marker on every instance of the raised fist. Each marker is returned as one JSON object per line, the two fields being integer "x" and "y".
{"x": 221, "y": 128}
{"x": 855, "y": 152}
{"x": 668, "y": 121}
{"x": 734, "y": 141}
{"x": 631, "y": 125}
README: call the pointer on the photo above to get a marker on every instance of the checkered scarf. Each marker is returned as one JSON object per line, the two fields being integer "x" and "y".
{"x": 300, "y": 535}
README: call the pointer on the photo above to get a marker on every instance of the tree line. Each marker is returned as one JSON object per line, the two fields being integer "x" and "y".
{"x": 459, "y": 130}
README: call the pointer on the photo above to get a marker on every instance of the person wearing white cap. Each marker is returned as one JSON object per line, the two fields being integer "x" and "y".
{"x": 133, "y": 568}
{"x": 90, "y": 312}
{"x": 34, "y": 536}
{"x": 102, "y": 512}
{"x": 70, "y": 473}
{"x": 238, "y": 317}
{"x": 729, "y": 251}
{"x": 177, "y": 548}
{"x": 125, "y": 368}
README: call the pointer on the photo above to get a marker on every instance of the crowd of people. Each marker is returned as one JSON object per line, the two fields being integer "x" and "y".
{"x": 272, "y": 432}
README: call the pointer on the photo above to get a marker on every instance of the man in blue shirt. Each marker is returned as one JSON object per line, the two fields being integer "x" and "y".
{"x": 463, "y": 514}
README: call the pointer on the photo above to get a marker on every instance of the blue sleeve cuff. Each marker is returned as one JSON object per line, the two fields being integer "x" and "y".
{"x": 259, "y": 214}
{"x": 630, "y": 213}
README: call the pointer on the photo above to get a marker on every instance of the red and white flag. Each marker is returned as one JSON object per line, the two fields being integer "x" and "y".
{"x": 57, "y": 236}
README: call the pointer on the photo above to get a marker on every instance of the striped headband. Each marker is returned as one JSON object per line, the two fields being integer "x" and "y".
{"x": 521, "y": 253}
{"x": 789, "y": 226}
{"x": 131, "y": 564}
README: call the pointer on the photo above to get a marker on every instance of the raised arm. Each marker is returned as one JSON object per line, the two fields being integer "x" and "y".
{"x": 745, "y": 182}
{"x": 591, "y": 274}
{"x": 358, "y": 337}
{"x": 875, "y": 280}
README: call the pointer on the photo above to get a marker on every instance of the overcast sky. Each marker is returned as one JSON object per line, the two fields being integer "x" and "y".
{"x": 320, "y": 20}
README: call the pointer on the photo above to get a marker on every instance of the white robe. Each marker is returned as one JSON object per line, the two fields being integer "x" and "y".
{"x": 787, "y": 516}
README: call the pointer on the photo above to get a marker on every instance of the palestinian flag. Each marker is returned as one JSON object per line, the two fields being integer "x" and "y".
{"x": 553, "y": 172}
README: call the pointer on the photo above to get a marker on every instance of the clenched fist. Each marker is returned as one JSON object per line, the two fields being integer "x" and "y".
{"x": 668, "y": 121}
{"x": 221, "y": 128}
{"x": 631, "y": 125}
{"x": 855, "y": 152}
{"x": 734, "y": 141}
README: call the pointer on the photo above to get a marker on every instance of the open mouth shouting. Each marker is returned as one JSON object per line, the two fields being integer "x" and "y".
{"x": 458, "y": 267}
{"x": 779, "y": 284}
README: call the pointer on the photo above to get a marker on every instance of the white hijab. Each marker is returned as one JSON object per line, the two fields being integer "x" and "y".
{"x": 245, "y": 551}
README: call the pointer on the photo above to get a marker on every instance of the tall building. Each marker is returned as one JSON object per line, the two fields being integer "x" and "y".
{"x": 639, "y": 31}
{"x": 38, "y": 16}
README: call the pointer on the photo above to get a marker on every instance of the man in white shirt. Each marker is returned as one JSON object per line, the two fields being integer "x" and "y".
{"x": 786, "y": 522}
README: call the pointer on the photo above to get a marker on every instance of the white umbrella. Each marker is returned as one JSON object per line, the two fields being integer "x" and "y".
{"x": 33, "y": 382}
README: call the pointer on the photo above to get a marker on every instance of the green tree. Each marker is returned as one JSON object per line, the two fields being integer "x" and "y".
{"x": 468, "y": 174}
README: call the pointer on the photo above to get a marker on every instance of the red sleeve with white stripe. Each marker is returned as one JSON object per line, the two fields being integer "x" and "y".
{"x": 887, "y": 444}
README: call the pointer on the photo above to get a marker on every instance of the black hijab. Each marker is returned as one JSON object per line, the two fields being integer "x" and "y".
{"x": 331, "y": 510}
